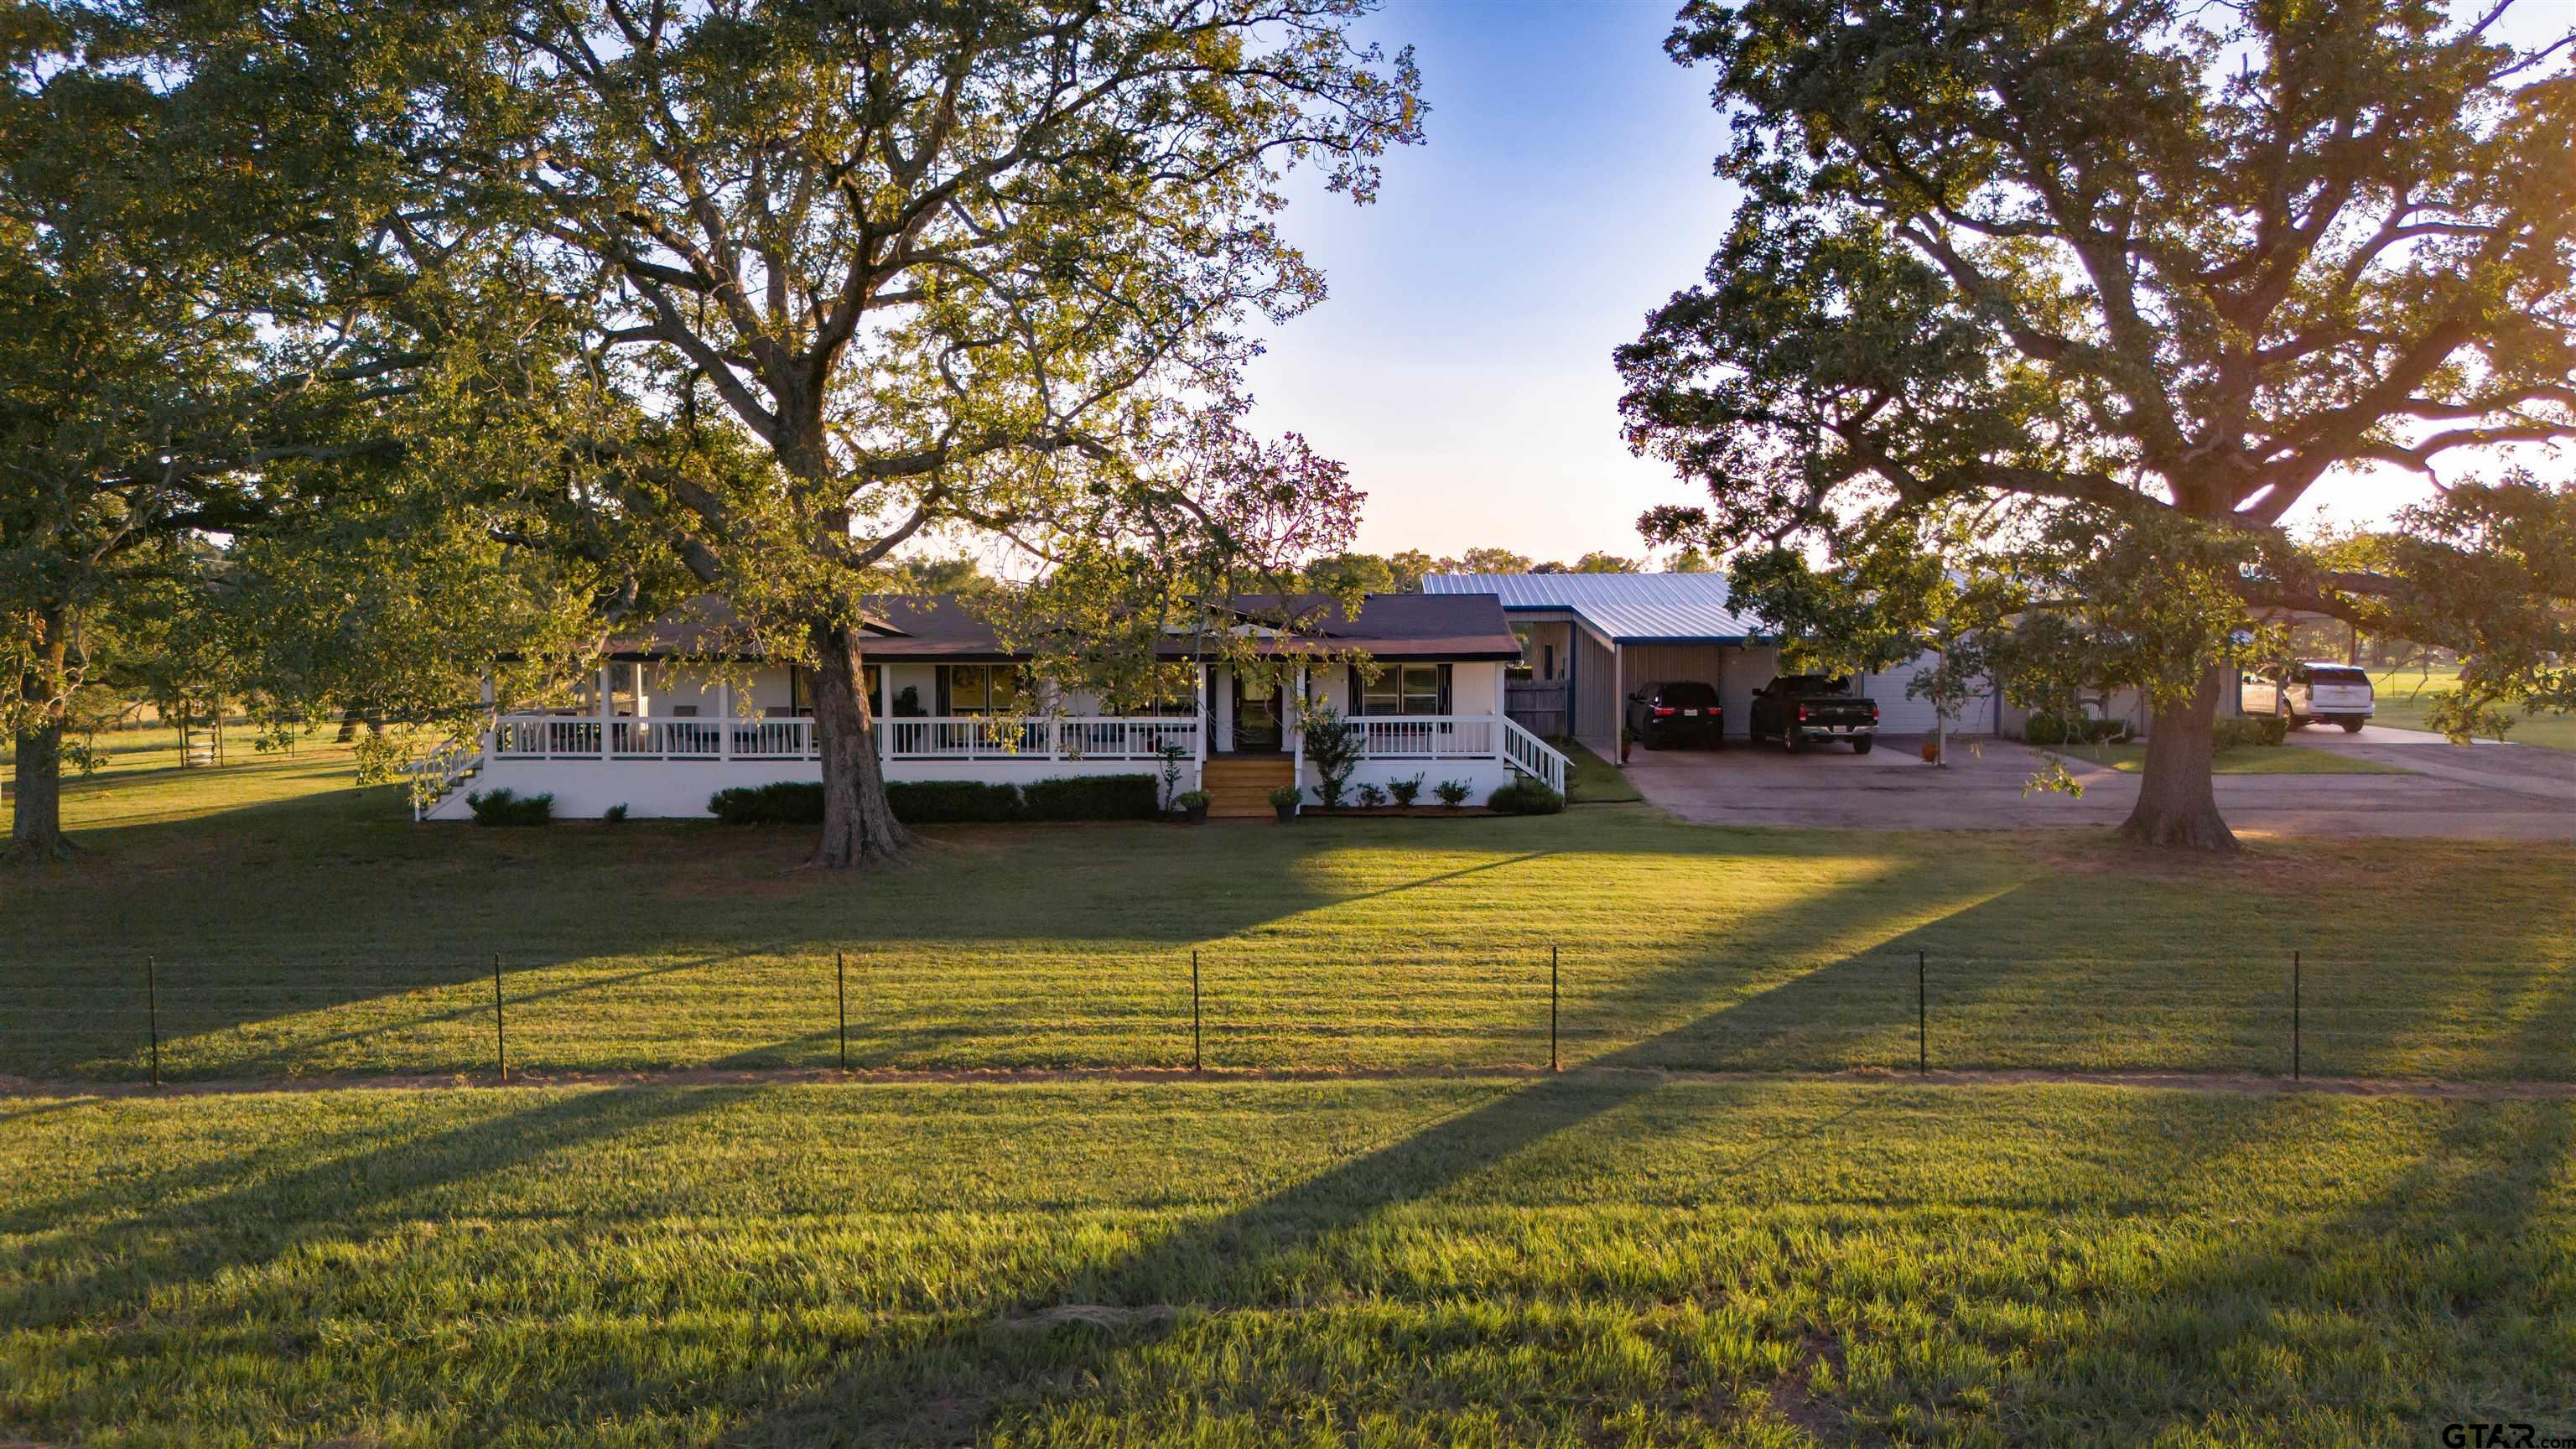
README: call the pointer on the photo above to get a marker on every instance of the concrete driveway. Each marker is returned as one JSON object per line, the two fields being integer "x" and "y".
{"x": 2478, "y": 792}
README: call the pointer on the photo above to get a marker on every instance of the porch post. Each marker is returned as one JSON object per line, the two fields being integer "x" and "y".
{"x": 607, "y": 709}
{"x": 1297, "y": 770}
{"x": 1207, "y": 720}
{"x": 491, "y": 721}
{"x": 724, "y": 719}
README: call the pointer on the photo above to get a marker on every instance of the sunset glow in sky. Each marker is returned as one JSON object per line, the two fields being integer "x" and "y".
{"x": 1462, "y": 365}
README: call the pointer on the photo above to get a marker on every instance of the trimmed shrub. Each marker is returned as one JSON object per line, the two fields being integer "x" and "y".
{"x": 1094, "y": 797}
{"x": 1527, "y": 797}
{"x": 616, "y": 814}
{"x": 954, "y": 802}
{"x": 1193, "y": 799}
{"x": 502, "y": 806}
{"x": 2261, "y": 729}
{"x": 1452, "y": 793}
{"x": 1405, "y": 791}
{"x": 784, "y": 802}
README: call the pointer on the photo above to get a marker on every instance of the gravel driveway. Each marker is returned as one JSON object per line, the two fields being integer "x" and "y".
{"x": 2485, "y": 791}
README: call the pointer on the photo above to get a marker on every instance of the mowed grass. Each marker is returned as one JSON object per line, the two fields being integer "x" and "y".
{"x": 1592, "y": 780}
{"x": 2404, "y": 697}
{"x": 1568, "y": 1262}
{"x": 298, "y": 926}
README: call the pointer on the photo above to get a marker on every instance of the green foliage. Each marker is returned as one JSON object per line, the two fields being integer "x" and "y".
{"x": 1193, "y": 800}
{"x": 951, "y": 802}
{"x": 1372, "y": 796}
{"x": 1088, "y": 797}
{"x": 2261, "y": 730}
{"x": 1525, "y": 796}
{"x": 503, "y": 806}
{"x": 782, "y": 802}
{"x": 1452, "y": 793}
{"x": 1286, "y": 796}
{"x": 1406, "y": 790}
{"x": 2105, "y": 362}
{"x": 1332, "y": 747}
{"x": 615, "y": 814}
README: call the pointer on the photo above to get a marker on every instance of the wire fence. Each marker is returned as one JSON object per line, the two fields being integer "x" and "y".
{"x": 156, "y": 1018}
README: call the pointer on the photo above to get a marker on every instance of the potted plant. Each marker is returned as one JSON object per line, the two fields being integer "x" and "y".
{"x": 1452, "y": 793}
{"x": 1194, "y": 806}
{"x": 1284, "y": 800}
{"x": 1931, "y": 750}
{"x": 1627, "y": 737}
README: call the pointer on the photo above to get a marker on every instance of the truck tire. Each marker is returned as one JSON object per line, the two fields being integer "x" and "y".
{"x": 2353, "y": 726}
{"x": 1789, "y": 739}
{"x": 1861, "y": 746}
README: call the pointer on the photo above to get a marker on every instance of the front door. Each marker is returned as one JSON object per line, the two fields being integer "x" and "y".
{"x": 1256, "y": 715}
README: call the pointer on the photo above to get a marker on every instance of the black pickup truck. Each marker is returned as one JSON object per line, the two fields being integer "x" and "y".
{"x": 1800, "y": 709}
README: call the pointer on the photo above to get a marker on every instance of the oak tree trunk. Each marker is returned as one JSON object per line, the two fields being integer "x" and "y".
{"x": 36, "y": 821}
{"x": 859, "y": 827}
{"x": 2177, "y": 800}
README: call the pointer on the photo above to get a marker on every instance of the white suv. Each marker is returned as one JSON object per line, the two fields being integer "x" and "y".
{"x": 2317, "y": 690}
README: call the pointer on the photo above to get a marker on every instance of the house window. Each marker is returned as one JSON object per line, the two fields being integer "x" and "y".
{"x": 800, "y": 691}
{"x": 1403, "y": 689}
{"x": 984, "y": 688}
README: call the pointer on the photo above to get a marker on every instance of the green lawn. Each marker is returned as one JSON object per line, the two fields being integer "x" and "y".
{"x": 2243, "y": 760}
{"x": 301, "y": 927}
{"x": 1592, "y": 780}
{"x": 2403, "y": 697}
{"x": 1594, "y": 1262}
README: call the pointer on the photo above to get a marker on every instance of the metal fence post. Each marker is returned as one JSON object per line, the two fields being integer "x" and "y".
{"x": 1922, "y": 1017}
{"x": 152, "y": 1012}
{"x": 841, "y": 989}
{"x": 500, "y": 1041}
{"x": 1198, "y": 1062}
{"x": 1551, "y": 1010}
{"x": 2297, "y": 1065}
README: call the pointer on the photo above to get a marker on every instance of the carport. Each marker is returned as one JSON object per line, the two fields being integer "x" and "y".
{"x": 1589, "y": 639}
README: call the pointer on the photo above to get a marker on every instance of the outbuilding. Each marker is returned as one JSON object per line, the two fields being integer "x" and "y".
{"x": 1589, "y": 640}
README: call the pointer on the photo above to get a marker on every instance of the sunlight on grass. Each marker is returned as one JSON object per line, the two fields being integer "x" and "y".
{"x": 1420, "y": 1263}
{"x": 303, "y": 927}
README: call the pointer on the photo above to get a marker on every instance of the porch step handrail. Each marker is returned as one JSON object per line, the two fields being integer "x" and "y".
{"x": 1534, "y": 757}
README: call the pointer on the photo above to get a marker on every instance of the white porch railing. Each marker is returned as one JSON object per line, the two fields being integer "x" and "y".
{"x": 1534, "y": 757}
{"x": 961, "y": 737}
{"x": 1427, "y": 736}
{"x": 1079, "y": 737}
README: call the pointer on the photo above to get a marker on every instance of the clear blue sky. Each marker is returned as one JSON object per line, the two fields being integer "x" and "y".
{"x": 1461, "y": 366}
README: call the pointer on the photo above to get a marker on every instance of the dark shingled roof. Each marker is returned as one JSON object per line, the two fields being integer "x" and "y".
{"x": 939, "y": 628}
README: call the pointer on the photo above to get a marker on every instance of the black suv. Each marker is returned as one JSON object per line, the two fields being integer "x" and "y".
{"x": 1682, "y": 712}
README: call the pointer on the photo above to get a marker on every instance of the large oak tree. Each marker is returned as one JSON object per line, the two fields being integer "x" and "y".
{"x": 955, "y": 270}
{"x": 2119, "y": 286}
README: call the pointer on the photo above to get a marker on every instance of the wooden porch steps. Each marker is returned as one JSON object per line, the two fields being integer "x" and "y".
{"x": 1240, "y": 788}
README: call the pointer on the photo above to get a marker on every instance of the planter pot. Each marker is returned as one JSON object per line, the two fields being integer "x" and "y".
{"x": 1286, "y": 813}
{"x": 1195, "y": 814}
{"x": 1623, "y": 752}
{"x": 1931, "y": 752}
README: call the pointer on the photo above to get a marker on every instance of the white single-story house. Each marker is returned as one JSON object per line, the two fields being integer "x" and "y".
{"x": 664, "y": 726}
{"x": 1590, "y": 640}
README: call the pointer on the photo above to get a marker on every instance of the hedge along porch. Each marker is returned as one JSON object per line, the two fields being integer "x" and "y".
{"x": 662, "y": 727}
